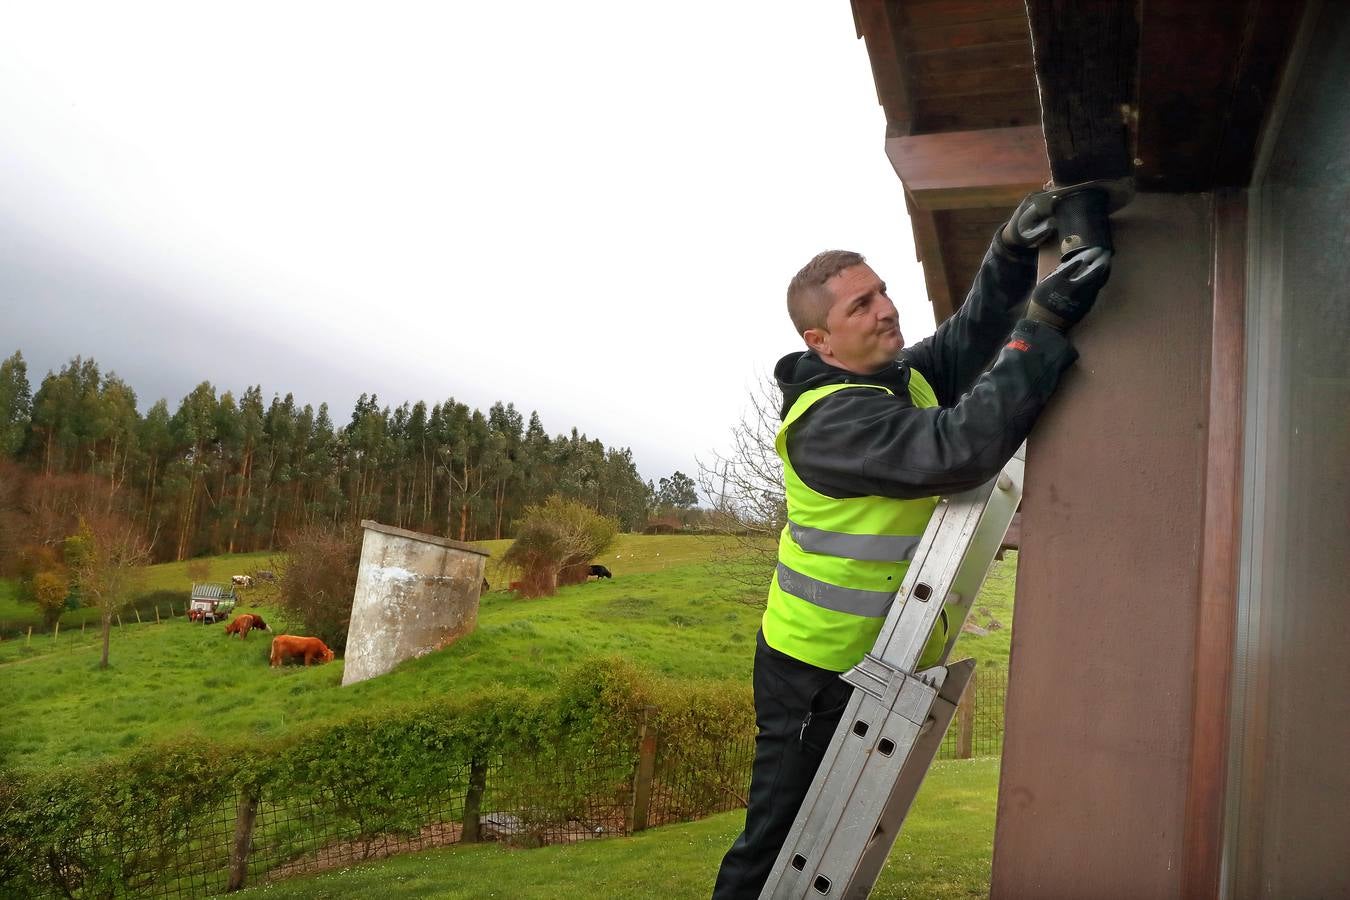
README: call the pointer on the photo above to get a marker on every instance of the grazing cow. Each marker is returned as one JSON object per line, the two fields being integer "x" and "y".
{"x": 242, "y": 580}
{"x": 601, "y": 572}
{"x": 515, "y": 586}
{"x": 486, "y": 587}
{"x": 245, "y": 623}
{"x": 311, "y": 648}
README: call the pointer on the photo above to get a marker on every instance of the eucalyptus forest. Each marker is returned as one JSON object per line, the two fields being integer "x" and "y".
{"x": 226, "y": 473}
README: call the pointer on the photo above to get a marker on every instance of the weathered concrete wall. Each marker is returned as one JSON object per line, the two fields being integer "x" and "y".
{"x": 1093, "y": 789}
{"x": 415, "y": 593}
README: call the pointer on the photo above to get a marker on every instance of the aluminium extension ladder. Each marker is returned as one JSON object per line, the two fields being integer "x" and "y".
{"x": 896, "y": 718}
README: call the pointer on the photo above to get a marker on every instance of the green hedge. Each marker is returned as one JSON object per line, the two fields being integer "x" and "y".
{"x": 123, "y": 826}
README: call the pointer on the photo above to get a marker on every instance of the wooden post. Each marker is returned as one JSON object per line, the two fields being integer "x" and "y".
{"x": 156, "y": 613}
{"x": 138, "y": 615}
{"x": 119, "y": 620}
{"x": 473, "y": 802}
{"x": 56, "y": 632}
{"x": 965, "y": 719}
{"x": 243, "y": 838}
{"x": 28, "y": 641}
{"x": 82, "y": 624}
{"x": 645, "y": 772}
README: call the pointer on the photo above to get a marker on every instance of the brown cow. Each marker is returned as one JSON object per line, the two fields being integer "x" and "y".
{"x": 284, "y": 645}
{"x": 243, "y": 623}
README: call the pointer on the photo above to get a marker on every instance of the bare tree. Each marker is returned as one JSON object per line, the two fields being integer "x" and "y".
{"x": 745, "y": 489}
{"x": 105, "y": 556}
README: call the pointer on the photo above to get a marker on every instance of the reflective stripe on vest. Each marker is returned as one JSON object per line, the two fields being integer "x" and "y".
{"x": 840, "y": 560}
{"x": 876, "y": 547}
{"x": 830, "y": 596}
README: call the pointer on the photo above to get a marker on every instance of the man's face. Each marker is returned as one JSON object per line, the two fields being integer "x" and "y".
{"x": 862, "y": 328}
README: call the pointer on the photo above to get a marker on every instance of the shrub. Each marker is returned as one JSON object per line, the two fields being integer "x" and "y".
{"x": 317, "y": 580}
{"x": 51, "y": 587}
{"x": 555, "y": 541}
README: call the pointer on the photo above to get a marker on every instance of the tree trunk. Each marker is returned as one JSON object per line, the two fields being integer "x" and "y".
{"x": 187, "y": 518}
{"x": 107, "y": 634}
{"x": 501, "y": 501}
{"x": 239, "y": 495}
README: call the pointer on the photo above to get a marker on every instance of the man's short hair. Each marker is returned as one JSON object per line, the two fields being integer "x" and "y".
{"x": 807, "y": 300}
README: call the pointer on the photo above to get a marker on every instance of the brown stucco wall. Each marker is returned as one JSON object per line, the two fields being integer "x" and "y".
{"x": 1093, "y": 787}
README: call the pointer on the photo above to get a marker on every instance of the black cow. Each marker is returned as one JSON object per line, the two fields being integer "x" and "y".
{"x": 601, "y": 572}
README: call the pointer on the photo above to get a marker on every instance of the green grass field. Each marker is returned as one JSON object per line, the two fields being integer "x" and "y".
{"x": 16, "y": 615}
{"x": 943, "y": 853}
{"x": 666, "y": 609}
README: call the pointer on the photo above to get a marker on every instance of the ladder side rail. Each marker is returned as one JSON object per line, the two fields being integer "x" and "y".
{"x": 906, "y": 788}
{"x": 845, "y": 789}
{"x": 836, "y": 862}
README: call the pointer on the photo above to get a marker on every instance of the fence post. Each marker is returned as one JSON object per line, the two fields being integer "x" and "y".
{"x": 645, "y": 772}
{"x": 28, "y": 641}
{"x": 156, "y": 613}
{"x": 119, "y": 620}
{"x": 56, "y": 633}
{"x": 965, "y": 719}
{"x": 473, "y": 802}
{"x": 243, "y": 838}
{"x": 138, "y": 615}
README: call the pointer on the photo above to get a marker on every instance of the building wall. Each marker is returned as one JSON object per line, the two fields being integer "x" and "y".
{"x": 1093, "y": 788}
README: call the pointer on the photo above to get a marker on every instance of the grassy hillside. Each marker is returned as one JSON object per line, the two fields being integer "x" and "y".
{"x": 943, "y": 853}
{"x": 16, "y": 616}
{"x": 667, "y": 608}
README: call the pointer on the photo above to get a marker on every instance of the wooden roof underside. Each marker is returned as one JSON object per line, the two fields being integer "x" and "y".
{"x": 1173, "y": 92}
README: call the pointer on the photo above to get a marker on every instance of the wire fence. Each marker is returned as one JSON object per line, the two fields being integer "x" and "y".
{"x": 275, "y": 831}
{"x": 977, "y": 729}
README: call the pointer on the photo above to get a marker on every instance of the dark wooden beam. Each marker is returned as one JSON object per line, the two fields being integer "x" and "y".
{"x": 1219, "y": 554}
{"x": 875, "y": 24}
{"x": 928, "y": 247}
{"x": 1085, "y": 56}
{"x": 1209, "y": 70}
{"x": 962, "y": 169}
{"x": 938, "y": 13}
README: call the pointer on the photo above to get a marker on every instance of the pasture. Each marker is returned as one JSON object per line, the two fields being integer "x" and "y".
{"x": 667, "y": 609}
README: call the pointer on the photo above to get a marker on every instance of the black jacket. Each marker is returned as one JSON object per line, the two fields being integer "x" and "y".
{"x": 869, "y": 443}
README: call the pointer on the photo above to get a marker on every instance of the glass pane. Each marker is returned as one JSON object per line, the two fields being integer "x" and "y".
{"x": 1289, "y": 831}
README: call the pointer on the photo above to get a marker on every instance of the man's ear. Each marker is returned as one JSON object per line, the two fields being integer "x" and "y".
{"x": 818, "y": 339}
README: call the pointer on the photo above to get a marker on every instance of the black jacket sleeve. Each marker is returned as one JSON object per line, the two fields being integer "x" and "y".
{"x": 954, "y": 356}
{"x": 866, "y": 442}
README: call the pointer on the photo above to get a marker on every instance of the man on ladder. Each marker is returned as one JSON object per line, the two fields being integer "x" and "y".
{"x": 872, "y": 432}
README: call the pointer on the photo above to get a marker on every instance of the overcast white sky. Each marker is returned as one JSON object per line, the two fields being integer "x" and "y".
{"x": 588, "y": 209}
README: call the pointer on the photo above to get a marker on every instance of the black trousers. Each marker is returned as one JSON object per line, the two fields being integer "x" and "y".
{"x": 797, "y": 707}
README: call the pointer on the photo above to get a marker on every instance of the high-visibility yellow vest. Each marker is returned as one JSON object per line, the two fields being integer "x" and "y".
{"x": 841, "y": 560}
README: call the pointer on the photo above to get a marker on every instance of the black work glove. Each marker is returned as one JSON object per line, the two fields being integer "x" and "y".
{"x": 1029, "y": 227}
{"x": 1065, "y": 296}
